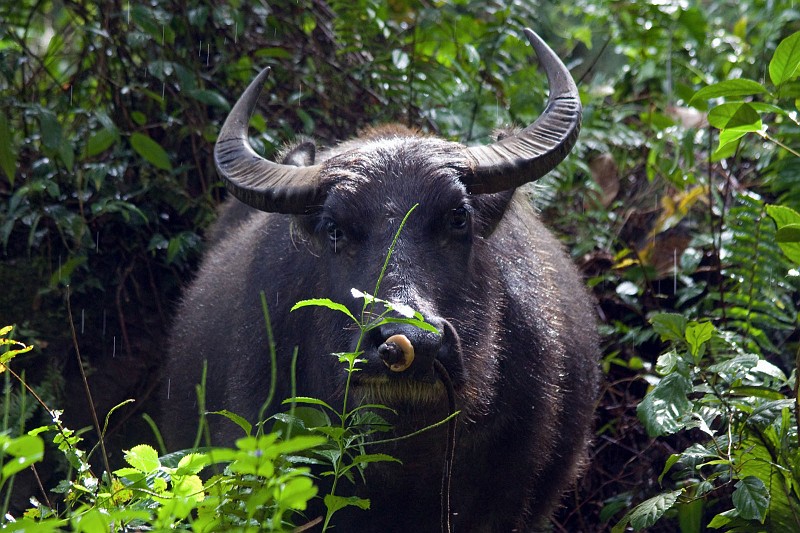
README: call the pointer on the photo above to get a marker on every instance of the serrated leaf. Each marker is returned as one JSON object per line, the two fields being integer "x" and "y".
{"x": 785, "y": 61}
{"x": 192, "y": 463}
{"x": 296, "y": 493}
{"x": 751, "y": 498}
{"x": 143, "y": 458}
{"x": 150, "y": 150}
{"x": 670, "y": 326}
{"x": 649, "y": 511}
{"x": 664, "y": 409}
{"x": 728, "y": 88}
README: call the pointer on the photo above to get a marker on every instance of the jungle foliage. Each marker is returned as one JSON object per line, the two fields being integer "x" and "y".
{"x": 679, "y": 203}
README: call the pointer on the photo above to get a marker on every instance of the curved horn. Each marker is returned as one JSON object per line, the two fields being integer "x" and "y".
{"x": 534, "y": 151}
{"x": 256, "y": 181}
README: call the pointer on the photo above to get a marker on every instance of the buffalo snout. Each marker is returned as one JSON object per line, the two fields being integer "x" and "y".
{"x": 406, "y": 351}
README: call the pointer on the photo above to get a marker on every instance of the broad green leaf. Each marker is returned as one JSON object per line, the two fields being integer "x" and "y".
{"x": 25, "y": 450}
{"x": 735, "y": 115}
{"x": 192, "y": 463}
{"x": 751, "y": 498}
{"x": 665, "y": 409}
{"x": 649, "y": 511}
{"x": 151, "y": 151}
{"x": 8, "y": 158}
{"x": 785, "y": 61}
{"x": 324, "y": 302}
{"x": 209, "y": 97}
{"x": 297, "y": 444}
{"x": 690, "y": 515}
{"x": 143, "y": 458}
{"x": 737, "y": 365}
{"x": 296, "y": 493}
{"x": 50, "y": 129}
{"x": 666, "y": 362}
{"x": 698, "y": 334}
{"x": 788, "y": 233}
{"x": 723, "y": 519}
{"x": 101, "y": 141}
{"x": 728, "y": 88}
{"x": 786, "y": 216}
{"x": 670, "y": 326}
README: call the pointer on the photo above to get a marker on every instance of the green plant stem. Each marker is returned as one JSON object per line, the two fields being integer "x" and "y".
{"x": 767, "y": 137}
{"x": 87, "y": 390}
{"x": 797, "y": 393}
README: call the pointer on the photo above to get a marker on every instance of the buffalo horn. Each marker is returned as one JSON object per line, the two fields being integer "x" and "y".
{"x": 537, "y": 149}
{"x": 256, "y": 181}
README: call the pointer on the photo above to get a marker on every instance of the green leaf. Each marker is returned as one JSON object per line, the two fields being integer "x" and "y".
{"x": 788, "y": 233}
{"x": 649, "y": 511}
{"x": 26, "y": 450}
{"x": 786, "y": 217}
{"x": 335, "y": 503}
{"x": 210, "y": 97}
{"x": 101, "y": 141}
{"x": 666, "y": 362}
{"x": 670, "y": 326}
{"x": 735, "y": 115}
{"x": 671, "y": 460}
{"x": 143, "y": 458}
{"x": 296, "y": 493}
{"x": 192, "y": 463}
{"x": 664, "y": 410}
{"x": 324, "y": 302}
{"x": 240, "y": 421}
{"x": 421, "y": 324}
{"x": 728, "y": 88}
{"x": 698, "y": 334}
{"x": 751, "y": 498}
{"x": 8, "y": 159}
{"x": 784, "y": 64}
{"x": 50, "y": 130}
{"x": 308, "y": 400}
{"x": 151, "y": 151}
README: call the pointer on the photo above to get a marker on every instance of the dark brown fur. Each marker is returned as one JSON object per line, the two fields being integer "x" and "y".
{"x": 519, "y": 337}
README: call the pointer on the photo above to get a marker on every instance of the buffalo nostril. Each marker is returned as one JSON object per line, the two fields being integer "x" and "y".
{"x": 397, "y": 353}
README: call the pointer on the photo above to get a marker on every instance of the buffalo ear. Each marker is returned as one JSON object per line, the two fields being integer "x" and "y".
{"x": 489, "y": 210}
{"x": 301, "y": 154}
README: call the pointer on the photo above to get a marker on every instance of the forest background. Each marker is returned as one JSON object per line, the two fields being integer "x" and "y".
{"x": 679, "y": 204}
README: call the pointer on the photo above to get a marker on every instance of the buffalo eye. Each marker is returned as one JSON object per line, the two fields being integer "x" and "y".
{"x": 335, "y": 234}
{"x": 459, "y": 218}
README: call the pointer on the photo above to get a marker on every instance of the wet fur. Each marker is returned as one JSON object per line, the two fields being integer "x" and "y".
{"x": 523, "y": 351}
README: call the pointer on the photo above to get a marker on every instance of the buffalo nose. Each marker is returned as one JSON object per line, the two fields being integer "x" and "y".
{"x": 405, "y": 348}
{"x": 397, "y": 353}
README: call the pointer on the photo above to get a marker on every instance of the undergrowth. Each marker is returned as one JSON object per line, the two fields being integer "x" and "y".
{"x": 265, "y": 483}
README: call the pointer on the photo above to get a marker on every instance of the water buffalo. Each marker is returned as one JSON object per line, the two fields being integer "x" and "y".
{"x": 516, "y": 327}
